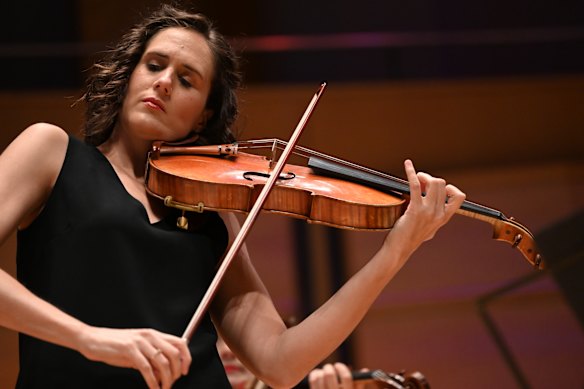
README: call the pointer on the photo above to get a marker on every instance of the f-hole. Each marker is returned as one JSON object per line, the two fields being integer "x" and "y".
{"x": 249, "y": 175}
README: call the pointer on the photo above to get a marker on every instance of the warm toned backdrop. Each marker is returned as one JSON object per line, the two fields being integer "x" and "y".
{"x": 511, "y": 137}
{"x": 509, "y": 158}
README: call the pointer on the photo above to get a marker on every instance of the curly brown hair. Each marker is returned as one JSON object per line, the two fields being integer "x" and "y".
{"x": 107, "y": 85}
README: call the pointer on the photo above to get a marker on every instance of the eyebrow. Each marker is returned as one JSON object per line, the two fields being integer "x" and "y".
{"x": 165, "y": 56}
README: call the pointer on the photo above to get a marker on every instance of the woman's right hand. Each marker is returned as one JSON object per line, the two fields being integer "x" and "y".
{"x": 22, "y": 311}
{"x": 161, "y": 358}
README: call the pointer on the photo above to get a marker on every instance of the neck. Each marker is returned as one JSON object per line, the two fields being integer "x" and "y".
{"x": 127, "y": 155}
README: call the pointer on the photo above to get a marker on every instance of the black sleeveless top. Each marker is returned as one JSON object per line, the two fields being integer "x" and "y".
{"x": 93, "y": 253}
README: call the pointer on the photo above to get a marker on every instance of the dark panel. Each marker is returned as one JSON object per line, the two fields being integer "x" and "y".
{"x": 562, "y": 245}
{"x": 413, "y": 40}
{"x": 39, "y": 47}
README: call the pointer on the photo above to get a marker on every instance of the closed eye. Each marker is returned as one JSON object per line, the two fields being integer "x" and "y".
{"x": 156, "y": 62}
{"x": 153, "y": 67}
{"x": 184, "y": 82}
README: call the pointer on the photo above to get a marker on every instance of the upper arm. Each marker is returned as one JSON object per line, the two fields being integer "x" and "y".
{"x": 29, "y": 167}
{"x": 242, "y": 309}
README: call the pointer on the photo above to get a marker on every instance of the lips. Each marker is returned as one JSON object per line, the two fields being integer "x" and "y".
{"x": 154, "y": 103}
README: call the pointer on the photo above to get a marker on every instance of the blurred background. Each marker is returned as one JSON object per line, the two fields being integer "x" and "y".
{"x": 487, "y": 94}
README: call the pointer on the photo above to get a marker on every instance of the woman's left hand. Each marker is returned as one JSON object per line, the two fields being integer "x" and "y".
{"x": 432, "y": 204}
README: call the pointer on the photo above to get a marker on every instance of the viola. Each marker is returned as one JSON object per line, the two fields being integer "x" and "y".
{"x": 382, "y": 379}
{"x": 326, "y": 191}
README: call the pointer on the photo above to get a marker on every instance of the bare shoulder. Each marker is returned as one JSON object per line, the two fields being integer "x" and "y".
{"x": 29, "y": 167}
{"x": 39, "y": 134}
{"x": 41, "y": 144}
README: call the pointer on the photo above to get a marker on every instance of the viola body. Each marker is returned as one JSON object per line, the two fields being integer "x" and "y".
{"x": 233, "y": 183}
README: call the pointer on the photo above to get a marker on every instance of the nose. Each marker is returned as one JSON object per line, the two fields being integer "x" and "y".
{"x": 163, "y": 83}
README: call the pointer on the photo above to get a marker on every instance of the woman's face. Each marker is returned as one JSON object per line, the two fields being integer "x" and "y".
{"x": 168, "y": 90}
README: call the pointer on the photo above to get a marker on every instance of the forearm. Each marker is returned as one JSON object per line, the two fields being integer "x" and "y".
{"x": 22, "y": 311}
{"x": 301, "y": 348}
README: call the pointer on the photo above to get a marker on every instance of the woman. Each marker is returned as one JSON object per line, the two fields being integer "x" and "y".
{"x": 106, "y": 282}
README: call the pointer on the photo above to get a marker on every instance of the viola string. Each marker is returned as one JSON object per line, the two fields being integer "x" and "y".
{"x": 306, "y": 152}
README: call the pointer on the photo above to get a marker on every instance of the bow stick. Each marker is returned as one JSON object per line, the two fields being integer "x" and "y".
{"x": 251, "y": 218}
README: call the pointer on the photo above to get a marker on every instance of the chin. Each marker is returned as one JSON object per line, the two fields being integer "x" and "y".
{"x": 149, "y": 128}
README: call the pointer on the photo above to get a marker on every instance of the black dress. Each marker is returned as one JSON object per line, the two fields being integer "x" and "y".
{"x": 93, "y": 253}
